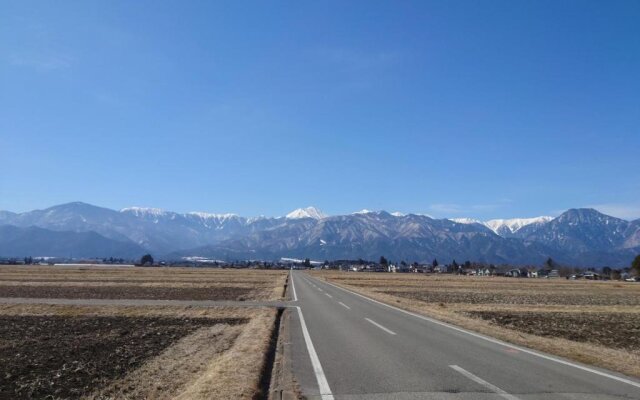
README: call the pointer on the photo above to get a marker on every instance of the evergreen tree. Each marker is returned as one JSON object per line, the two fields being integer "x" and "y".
{"x": 146, "y": 259}
{"x": 549, "y": 264}
{"x": 635, "y": 265}
{"x": 383, "y": 261}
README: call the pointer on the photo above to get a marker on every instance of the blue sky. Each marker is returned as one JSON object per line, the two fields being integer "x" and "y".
{"x": 451, "y": 108}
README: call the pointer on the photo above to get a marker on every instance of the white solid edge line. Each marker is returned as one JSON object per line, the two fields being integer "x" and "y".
{"x": 323, "y": 385}
{"x": 496, "y": 341}
{"x": 344, "y": 305}
{"x": 328, "y": 295}
{"x": 484, "y": 383}
{"x": 293, "y": 286}
{"x": 389, "y": 331}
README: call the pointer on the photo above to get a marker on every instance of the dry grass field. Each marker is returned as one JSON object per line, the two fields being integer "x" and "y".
{"x": 134, "y": 351}
{"x": 141, "y": 283}
{"x": 593, "y": 322}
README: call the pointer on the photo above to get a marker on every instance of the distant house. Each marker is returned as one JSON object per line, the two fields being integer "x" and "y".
{"x": 553, "y": 274}
{"x": 404, "y": 268}
{"x": 514, "y": 273}
{"x": 594, "y": 276}
{"x": 374, "y": 268}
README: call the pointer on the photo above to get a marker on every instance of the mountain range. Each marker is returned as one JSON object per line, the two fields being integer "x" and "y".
{"x": 581, "y": 237}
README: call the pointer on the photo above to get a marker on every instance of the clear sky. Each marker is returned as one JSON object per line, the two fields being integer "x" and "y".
{"x": 483, "y": 109}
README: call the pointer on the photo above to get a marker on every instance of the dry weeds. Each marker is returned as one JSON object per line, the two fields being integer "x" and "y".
{"x": 166, "y": 375}
{"x": 236, "y": 373}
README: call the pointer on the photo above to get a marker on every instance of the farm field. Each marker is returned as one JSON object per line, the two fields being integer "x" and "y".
{"x": 134, "y": 351}
{"x": 594, "y": 322}
{"x": 141, "y": 283}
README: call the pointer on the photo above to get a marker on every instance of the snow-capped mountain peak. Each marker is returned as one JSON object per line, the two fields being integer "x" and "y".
{"x": 142, "y": 211}
{"x": 515, "y": 224}
{"x": 206, "y": 215}
{"x": 364, "y": 211}
{"x": 504, "y": 226}
{"x": 466, "y": 221}
{"x": 397, "y": 214}
{"x": 309, "y": 212}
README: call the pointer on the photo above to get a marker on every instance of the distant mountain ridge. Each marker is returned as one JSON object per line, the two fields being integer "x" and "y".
{"x": 583, "y": 237}
{"x": 37, "y": 242}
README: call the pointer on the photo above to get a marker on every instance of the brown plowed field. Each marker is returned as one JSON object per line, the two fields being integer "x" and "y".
{"x": 129, "y": 350}
{"x": 70, "y": 357}
{"x": 127, "y": 292}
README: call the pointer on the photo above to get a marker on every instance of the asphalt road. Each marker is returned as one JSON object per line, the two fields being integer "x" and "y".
{"x": 345, "y": 346}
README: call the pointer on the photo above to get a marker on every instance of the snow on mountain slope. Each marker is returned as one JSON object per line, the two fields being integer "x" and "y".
{"x": 309, "y": 212}
{"x": 144, "y": 211}
{"x": 218, "y": 217}
{"x": 505, "y": 227}
{"x": 514, "y": 224}
{"x": 466, "y": 221}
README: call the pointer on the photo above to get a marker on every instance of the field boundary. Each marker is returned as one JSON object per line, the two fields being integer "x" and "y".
{"x": 266, "y": 373}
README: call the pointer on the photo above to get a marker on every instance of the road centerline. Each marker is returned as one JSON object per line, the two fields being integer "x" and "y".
{"x": 389, "y": 331}
{"x": 344, "y": 305}
{"x": 328, "y": 295}
{"x": 484, "y": 383}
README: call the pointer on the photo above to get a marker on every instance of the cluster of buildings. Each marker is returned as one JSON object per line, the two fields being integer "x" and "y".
{"x": 479, "y": 269}
{"x": 466, "y": 268}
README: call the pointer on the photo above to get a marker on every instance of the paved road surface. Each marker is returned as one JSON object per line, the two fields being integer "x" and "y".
{"x": 356, "y": 348}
